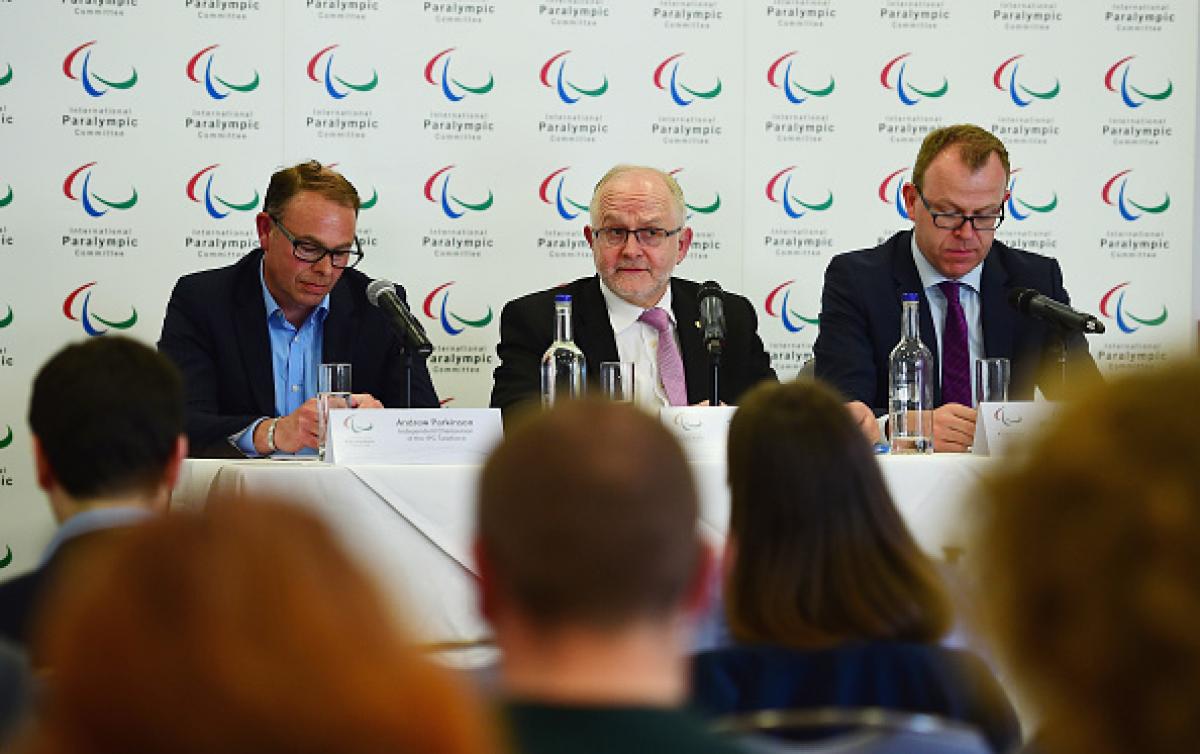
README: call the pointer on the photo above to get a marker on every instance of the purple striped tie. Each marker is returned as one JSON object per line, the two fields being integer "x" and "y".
{"x": 670, "y": 364}
{"x": 956, "y": 354}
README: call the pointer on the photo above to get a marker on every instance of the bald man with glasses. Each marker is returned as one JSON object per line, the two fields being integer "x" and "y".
{"x": 250, "y": 337}
{"x": 634, "y": 309}
{"x": 962, "y": 275}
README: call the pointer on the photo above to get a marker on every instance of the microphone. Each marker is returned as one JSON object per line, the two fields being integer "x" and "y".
{"x": 382, "y": 293}
{"x": 1034, "y": 304}
{"x": 712, "y": 316}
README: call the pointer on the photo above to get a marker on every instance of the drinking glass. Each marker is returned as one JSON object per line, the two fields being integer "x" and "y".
{"x": 333, "y": 391}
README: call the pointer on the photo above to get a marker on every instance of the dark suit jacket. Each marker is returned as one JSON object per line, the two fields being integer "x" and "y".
{"x": 215, "y": 331}
{"x": 527, "y": 329}
{"x": 860, "y": 320}
{"x": 895, "y": 675}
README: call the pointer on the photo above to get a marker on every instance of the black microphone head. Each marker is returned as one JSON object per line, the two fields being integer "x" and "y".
{"x": 1020, "y": 298}
{"x": 376, "y": 287}
{"x": 709, "y": 288}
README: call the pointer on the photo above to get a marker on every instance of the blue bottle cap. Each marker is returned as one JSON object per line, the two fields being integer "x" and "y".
{"x": 565, "y": 298}
{"x": 909, "y": 297}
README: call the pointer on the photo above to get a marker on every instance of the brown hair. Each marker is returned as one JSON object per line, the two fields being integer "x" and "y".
{"x": 974, "y": 144}
{"x": 242, "y": 630}
{"x": 588, "y": 516}
{"x": 308, "y": 176}
{"x": 1091, "y": 568}
{"x": 822, "y": 555}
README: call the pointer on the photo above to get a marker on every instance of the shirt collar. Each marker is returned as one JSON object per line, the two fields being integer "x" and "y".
{"x": 95, "y": 519}
{"x": 622, "y": 314}
{"x": 931, "y": 277}
{"x": 318, "y": 314}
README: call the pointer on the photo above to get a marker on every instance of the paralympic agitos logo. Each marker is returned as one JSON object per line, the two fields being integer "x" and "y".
{"x": 667, "y": 78}
{"x": 80, "y": 310}
{"x": 1020, "y": 207}
{"x": 1115, "y": 194}
{"x": 437, "y": 190}
{"x": 793, "y": 91}
{"x": 78, "y": 66}
{"x": 703, "y": 209}
{"x": 452, "y": 322}
{"x": 78, "y": 188}
{"x": 217, "y": 86}
{"x": 1005, "y": 79}
{"x": 7, "y": 198}
{"x": 895, "y": 77}
{"x": 322, "y": 71}
{"x": 7, "y": 77}
{"x": 437, "y": 73}
{"x": 553, "y": 191}
{"x": 1117, "y": 81}
{"x": 7, "y": 319}
{"x": 778, "y": 305}
{"x": 890, "y": 191}
{"x": 1112, "y": 306}
{"x": 216, "y": 205}
{"x": 568, "y": 90}
{"x": 779, "y": 191}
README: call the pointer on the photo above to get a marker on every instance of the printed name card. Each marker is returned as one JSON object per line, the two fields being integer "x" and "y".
{"x": 412, "y": 436}
{"x": 1001, "y": 427}
{"x": 703, "y": 431}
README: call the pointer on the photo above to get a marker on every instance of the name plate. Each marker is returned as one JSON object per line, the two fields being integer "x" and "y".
{"x": 1001, "y": 427}
{"x": 412, "y": 436}
{"x": 703, "y": 431}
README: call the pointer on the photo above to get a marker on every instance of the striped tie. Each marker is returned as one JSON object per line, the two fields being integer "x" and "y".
{"x": 956, "y": 354}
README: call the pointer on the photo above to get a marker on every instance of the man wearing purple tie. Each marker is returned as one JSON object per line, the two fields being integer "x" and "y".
{"x": 634, "y": 309}
{"x": 962, "y": 275}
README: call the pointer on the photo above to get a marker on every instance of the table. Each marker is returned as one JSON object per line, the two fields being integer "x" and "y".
{"x": 411, "y": 526}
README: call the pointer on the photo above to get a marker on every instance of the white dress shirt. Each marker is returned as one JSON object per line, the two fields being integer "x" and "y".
{"x": 638, "y": 342}
{"x": 968, "y": 296}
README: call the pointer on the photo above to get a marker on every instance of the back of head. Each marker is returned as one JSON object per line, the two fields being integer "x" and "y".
{"x": 588, "y": 517}
{"x": 309, "y": 176}
{"x": 822, "y": 555}
{"x": 1092, "y": 569}
{"x": 974, "y": 145}
{"x": 244, "y": 629}
{"x": 107, "y": 413}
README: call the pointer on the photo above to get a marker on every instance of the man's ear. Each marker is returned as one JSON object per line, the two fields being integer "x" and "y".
{"x": 46, "y": 480}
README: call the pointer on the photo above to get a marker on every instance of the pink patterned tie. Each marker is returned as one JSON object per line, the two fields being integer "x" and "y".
{"x": 670, "y": 364}
{"x": 956, "y": 354}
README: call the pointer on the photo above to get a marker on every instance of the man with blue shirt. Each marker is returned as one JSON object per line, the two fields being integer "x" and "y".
{"x": 249, "y": 338}
{"x": 962, "y": 276}
{"x": 107, "y": 422}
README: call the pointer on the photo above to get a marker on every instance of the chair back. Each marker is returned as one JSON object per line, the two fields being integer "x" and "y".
{"x": 842, "y": 730}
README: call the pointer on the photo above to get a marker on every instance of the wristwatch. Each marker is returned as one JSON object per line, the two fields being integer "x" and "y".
{"x": 271, "y": 436}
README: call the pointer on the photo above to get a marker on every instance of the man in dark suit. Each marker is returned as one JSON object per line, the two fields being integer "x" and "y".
{"x": 108, "y": 443}
{"x": 634, "y": 309}
{"x": 962, "y": 277}
{"x": 250, "y": 337}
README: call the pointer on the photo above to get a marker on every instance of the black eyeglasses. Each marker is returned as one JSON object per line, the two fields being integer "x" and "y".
{"x": 955, "y": 220}
{"x": 313, "y": 252}
{"x": 647, "y": 237}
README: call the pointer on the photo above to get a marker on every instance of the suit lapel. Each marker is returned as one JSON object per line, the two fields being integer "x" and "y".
{"x": 686, "y": 308}
{"x": 997, "y": 317}
{"x": 250, "y": 324}
{"x": 593, "y": 328}
{"x": 337, "y": 339}
{"x": 908, "y": 280}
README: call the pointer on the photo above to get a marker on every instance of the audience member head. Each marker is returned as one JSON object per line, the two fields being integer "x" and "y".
{"x": 588, "y": 519}
{"x": 312, "y": 177}
{"x": 107, "y": 420}
{"x": 1091, "y": 569}
{"x": 819, "y": 553}
{"x": 637, "y": 267}
{"x": 245, "y": 629}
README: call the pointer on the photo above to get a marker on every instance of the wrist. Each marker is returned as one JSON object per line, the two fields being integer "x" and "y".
{"x": 270, "y": 436}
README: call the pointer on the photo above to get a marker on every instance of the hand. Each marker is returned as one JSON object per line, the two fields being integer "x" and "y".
{"x": 864, "y": 417}
{"x": 953, "y": 428}
{"x": 296, "y": 430}
{"x": 364, "y": 400}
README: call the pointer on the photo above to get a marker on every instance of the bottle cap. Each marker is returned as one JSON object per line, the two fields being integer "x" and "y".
{"x": 909, "y": 297}
{"x": 565, "y": 298}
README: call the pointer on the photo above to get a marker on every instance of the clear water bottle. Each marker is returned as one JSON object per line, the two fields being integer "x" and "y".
{"x": 564, "y": 370}
{"x": 910, "y": 385}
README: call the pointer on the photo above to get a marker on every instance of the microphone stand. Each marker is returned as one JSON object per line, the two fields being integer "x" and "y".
{"x": 1056, "y": 351}
{"x": 714, "y": 365}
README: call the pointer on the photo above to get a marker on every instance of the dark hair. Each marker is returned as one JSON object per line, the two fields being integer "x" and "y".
{"x": 1091, "y": 567}
{"x": 107, "y": 412}
{"x": 822, "y": 555}
{"x": 588, "y": 516}
{"x": 246, "y": 630}
{"x": 308, "y": 176}
{"x": 974, "y": 145}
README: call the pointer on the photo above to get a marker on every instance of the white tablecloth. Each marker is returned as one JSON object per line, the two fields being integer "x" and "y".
{"x": 411, "y": 526}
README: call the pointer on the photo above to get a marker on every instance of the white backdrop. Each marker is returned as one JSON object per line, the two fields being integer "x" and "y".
{"x": 136, "y": 138}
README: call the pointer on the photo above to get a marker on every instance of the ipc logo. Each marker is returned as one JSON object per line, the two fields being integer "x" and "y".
{"x": 895, "y": 77}
{"x": 667, "y": 78}
{"x": 1114, "y": 194}
{"x": 77, "y": 66}
{"x": 795, "y": 93}
{"x": 217, "y": 87}
{"x": 437, "y": 73}
{"x": 779, "y": 191}
{"x": 321, "y": 70}
{"x": 210, "y": 199}
{"x": 568, "y": 91}
{"x": 449, "y": 318}
{"x": 890, "y": 191}
{"x": 78, "y": 188}
{"x": 777, "y": 305}
{"x": 1116, "y": 80}
{"x": 437, "y": 190}
{"x": 1005, "y": 79}
{"x": 93, "y": 324}
{"x": 1112, "y": 306}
